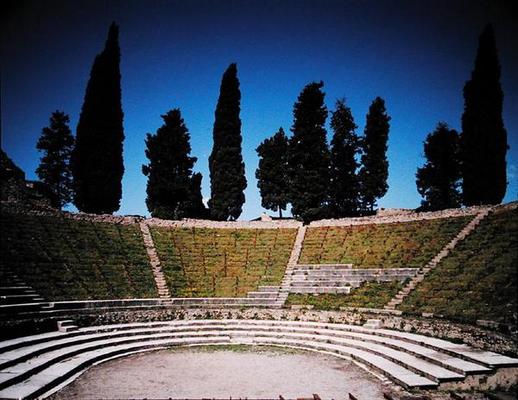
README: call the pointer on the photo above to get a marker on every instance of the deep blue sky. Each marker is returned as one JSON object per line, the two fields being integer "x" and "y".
{"x": 417, "y": 55}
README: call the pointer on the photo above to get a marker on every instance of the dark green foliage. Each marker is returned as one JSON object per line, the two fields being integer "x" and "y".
{"x": 344, "y": 188}
{"x": 484, "y": 139}
{"x": 96, "y": 162}
{"x": 373, "y": 174}
{"x": 227, "y": 169}
{"x": 272, "y": 176}
{"x": 308, "y": 155}
{"x": 438, "y": 180}
{"x": 56, "y": 142}
{"x": 172, "y": 190}
{"x": 194, "y": 206}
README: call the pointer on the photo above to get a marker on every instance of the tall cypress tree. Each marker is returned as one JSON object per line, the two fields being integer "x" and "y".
{"x": 439, "y": 179}
{"x": 173, "y": 192}
{"x": 97, "y": 164}
{"x": 227, "y": 169}
{"x": 373, "y": 173}
{"x": 272, "y": 176}
{"x": 308, "y": 155}
{"x": 56, "y": 142}
{"x": 344, "y": 186}
{"x": 483, "y": 139}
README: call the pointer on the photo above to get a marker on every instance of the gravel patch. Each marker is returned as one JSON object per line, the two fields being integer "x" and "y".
{"x": 224, "y": 372}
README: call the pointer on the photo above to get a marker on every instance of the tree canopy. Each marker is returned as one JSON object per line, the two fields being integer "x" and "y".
{"x": 272, "y": 174}
{"x": 308, "y": 155}
{"x": 373, "y": 173}
{"x": 56, "y": 142}
{"x": 438, "y": 180}
{"x": 344, "y": 185}
{"x": 97, "y": 164}
{"x": 226, "y": 166}
{"x": 173, "y": 192}
{"x": 483, "y": 141}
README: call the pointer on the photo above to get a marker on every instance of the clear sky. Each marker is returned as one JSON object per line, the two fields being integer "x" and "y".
{"x": 417, "y": 55}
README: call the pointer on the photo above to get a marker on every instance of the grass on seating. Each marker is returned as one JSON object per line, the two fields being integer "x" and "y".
{"x": 479, "y": 279}
{"x": 203, "y": 262}
{"x": 391, "y": 245}
{"x": 368, "y": 295}
{"x": 65, "y": 259}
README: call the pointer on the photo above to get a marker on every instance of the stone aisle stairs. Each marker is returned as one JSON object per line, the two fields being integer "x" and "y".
{"x": 34, "y": 365}
{"x": 292, "y": 263}
{"x": 411, "y": 285}
{"x": 161, "y": 284}
{"x": 16, "y": 296}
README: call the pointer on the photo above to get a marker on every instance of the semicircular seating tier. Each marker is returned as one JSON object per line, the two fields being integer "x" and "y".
{"x": 34, "y": 365}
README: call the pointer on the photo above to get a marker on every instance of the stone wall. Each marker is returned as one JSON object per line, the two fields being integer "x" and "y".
{"x": 199, "y": 223}
{"x": 406, "y": 216}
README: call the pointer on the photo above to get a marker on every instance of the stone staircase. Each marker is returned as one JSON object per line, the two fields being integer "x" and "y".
{"x": 341, "y": 278}
{"x": 292, "y": 262}
{"x": 161, "y": 284}
{"x": 15, "y": 291}
{"x": 36, "y": 365}
{"x": 411, "y": 285}
{"x": 16, "y": 296}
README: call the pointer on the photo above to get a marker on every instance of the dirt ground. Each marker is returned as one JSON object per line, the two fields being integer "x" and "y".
{"x": 224, "y": 372}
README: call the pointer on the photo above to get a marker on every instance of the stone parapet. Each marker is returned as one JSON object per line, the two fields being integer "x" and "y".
{"x": 407, "y": 216}
{"x": 199, "y": 223}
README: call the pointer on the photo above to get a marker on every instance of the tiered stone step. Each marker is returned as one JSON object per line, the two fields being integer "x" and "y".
{"x": 261, "y": 298}
{"x": 373, "y": 324}
{"x": 339, "y": 278}
{"x": 67, "y": 325}
{"x": 410, "y": 286}
{"x": 217, "y": 302}
{"x": 324, "y": 267}
{"x": 321, "y": 289}
{"x": 15, "y": 295}
{"x": 31, "y": 366}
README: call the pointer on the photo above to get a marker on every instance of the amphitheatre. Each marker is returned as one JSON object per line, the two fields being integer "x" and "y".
{"x": 421, "y": 304}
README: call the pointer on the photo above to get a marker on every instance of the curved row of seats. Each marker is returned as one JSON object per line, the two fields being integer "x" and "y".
{"x": 34, "y": 365}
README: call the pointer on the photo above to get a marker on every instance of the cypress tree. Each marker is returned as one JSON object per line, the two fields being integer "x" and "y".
{"x": 438, "y": 180}
{"x": 97, "y": 164}
{"x": 373, "y": 173}
{"x": 56, "y": 142}
{"x": 308, "y": 155}
{"x": 194, "y": 207}
{"x": 226, "y": 166}
{"x": 172, "y": 189}
{"x": 272, "y": 177}
{"x": 483, "y": 139}
{"x": 344, "y": 186}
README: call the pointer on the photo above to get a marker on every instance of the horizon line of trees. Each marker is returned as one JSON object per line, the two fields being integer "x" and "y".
{"x": 344, "y": 178}
{"x": 322, "y": 181}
